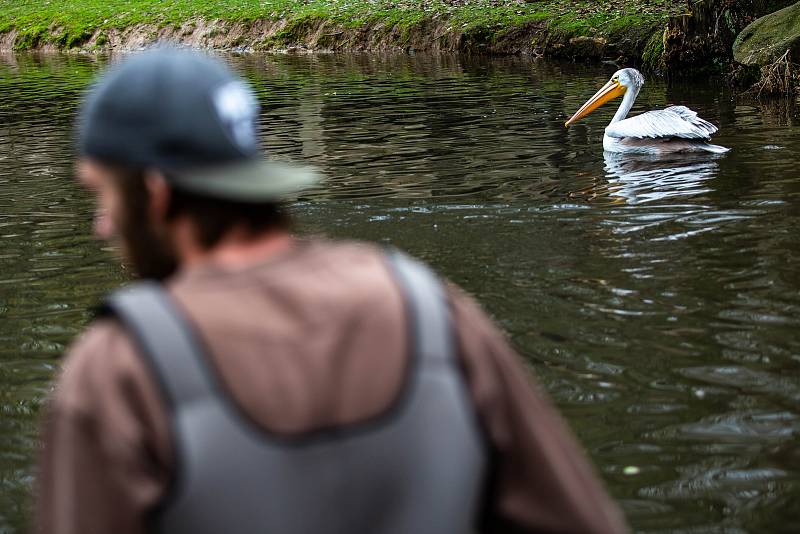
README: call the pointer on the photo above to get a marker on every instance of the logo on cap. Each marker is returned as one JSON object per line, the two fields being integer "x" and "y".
{"x": 237, "y": 109}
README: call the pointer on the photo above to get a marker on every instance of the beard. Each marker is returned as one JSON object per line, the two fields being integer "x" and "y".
{"x": 149, "y": 253}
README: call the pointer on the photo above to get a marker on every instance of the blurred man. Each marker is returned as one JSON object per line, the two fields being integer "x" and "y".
{"x": 262, "y": 383}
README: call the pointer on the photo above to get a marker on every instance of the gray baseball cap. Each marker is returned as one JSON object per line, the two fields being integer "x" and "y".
{"x": 186, "y": 114}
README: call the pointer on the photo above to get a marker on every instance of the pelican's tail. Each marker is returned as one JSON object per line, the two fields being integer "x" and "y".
{"x": 716, "y": 149}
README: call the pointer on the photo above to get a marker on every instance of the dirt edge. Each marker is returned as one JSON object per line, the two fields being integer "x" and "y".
{"x": 320, "y": 35}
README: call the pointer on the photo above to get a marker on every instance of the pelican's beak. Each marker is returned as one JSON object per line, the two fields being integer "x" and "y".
{"x": 609, "y": 91}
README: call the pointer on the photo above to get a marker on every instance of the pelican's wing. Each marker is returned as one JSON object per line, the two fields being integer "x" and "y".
{"x": 674, "y": 121}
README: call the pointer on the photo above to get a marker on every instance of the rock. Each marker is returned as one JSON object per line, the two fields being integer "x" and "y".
{"x": 701, "y": 39}
{"x": 767, "y": 39}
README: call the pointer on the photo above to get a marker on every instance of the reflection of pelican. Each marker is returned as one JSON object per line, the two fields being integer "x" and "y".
{"x": 641, "y": 178}
{"x": 674, "y": 129}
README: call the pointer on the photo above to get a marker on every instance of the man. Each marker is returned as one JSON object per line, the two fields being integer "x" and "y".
{"x": 273, "y": 384}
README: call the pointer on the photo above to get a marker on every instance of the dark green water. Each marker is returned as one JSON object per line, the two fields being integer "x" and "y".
{"x": 658, "y": 302}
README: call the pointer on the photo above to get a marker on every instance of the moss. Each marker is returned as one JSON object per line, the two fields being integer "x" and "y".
{"x": 653, "y": 54}
{"x": 31, "y": 37}
{"x": 477, "y": 38}
{"x": 101, "y": 40}
{"x": 78, "y": 37}
{"x": 295, "y": 30}
{"x": 769, "y": 37}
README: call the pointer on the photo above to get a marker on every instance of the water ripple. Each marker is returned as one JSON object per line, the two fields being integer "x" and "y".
{"x": 657, "y": 301}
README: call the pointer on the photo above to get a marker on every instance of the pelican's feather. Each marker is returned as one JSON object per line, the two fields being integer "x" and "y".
{"x": 674, "y": 121}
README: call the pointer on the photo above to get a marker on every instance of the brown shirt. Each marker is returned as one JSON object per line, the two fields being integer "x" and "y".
{"x": 312, "y": 338}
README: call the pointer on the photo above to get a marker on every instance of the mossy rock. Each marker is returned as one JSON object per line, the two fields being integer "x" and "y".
{"x": 768, "y": 38}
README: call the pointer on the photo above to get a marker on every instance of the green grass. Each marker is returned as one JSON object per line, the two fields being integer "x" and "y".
{"x": 69, "y": 23}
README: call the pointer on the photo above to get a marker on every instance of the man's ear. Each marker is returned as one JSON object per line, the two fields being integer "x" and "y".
{"x": 160, "y": 194}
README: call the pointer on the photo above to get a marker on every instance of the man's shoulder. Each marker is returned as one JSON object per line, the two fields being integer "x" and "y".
{"x": 98, "y": 359}
{"x": 101, "y": 336}
{"x": 464, "y": 306}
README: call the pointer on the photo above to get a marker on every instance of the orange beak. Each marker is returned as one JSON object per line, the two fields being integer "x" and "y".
{"x": 609, "y": 91}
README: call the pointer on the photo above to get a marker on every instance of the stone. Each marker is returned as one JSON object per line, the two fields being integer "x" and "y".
{"x": 766, "y": 39}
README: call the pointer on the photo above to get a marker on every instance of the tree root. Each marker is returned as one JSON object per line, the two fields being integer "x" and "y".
{"x": 782, "y": 77}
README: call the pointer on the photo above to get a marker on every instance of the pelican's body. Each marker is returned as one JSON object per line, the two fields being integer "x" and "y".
{"x": 674, "y": 129}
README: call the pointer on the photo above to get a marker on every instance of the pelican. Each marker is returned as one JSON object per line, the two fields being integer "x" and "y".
{"x": 674, "y": 129}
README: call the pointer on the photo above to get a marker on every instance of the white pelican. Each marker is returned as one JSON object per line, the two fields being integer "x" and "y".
{"x": 674, "y": 129}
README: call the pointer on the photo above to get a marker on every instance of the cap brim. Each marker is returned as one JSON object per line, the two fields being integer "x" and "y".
{"x": 256, "y": 180}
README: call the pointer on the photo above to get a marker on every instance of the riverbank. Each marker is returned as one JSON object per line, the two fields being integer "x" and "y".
{"x": 579, "y": 30}
{"x": 682, "y": 37}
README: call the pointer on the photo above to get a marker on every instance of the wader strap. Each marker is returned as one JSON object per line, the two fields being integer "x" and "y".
{"x": 427, "y": 305}
{"x": 166, "y": 340}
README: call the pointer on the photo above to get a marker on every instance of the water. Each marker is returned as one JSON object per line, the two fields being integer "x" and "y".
{"x": 657, "y": 302}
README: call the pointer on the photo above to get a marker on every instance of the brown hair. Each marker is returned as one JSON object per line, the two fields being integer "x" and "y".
{"x": 213, "y": 217}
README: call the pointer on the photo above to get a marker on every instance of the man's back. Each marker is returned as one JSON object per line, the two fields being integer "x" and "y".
{"x": 313, "y": 339}
{"x": 417, "y": 467}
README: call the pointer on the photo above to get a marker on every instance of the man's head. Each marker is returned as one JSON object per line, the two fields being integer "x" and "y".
{"x": 168, "y": 141}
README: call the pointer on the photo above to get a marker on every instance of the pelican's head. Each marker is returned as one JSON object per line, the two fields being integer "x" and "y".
{"x": 622, "y": 81}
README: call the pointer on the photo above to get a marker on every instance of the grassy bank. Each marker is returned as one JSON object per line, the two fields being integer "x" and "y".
{"x": 579, "y": 27}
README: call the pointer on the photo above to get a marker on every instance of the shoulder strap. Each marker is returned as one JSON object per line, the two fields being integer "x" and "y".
{"x": 428, "y": 314}
{"x": 165, "y": 338}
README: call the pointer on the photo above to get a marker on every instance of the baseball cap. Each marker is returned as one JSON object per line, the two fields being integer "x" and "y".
{"x": 186, "y": 114}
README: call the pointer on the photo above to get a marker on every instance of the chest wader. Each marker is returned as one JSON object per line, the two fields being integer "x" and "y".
{"x": 417, "y": 469}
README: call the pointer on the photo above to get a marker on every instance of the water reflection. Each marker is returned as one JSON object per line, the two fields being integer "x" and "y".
{"x": 778, "y": 111}
{"x": 638, "y": 179}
